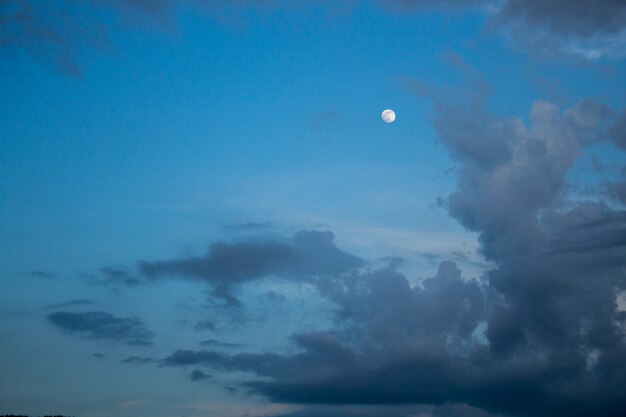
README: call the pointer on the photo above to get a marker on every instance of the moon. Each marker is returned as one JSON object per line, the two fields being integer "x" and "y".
{"x": 388, "y": 116}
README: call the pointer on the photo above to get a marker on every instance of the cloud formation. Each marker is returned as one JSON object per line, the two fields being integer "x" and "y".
{"x": 102, "y": 325}
{"x": 137, "y": 360}
{"x": 541, "y": 334}
{"x": 59, "y": 33}
{"x": 587, "y": 29}
{"x": 305, "y": 255}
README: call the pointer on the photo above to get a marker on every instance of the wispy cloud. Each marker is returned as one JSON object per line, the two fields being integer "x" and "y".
{"x": 102, "y": 325}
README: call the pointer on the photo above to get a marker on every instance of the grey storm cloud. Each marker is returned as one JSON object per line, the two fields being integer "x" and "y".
{"x": 561, "y": 263}
{"x": 102, "y": 325}
{"x": 540, "y": 334}
{"x": 305, "y": 255}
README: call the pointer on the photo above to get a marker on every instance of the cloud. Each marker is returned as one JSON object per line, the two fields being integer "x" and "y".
{"x": 114, "y": 276}
{"x": 140, "y": 360}
{"x": 102, "y": 325}
{"x": 219, "y": 344}
{"x": 62, "y": 33}
{"x": 540, "y": 334}
{"x": 589, "y": 30}
{"x": 618, "y": 190}
{"x": 50, "y": 34}
{"x": 509, "y": 172}
{"x": 618, "y": 131}
{"x": 403, "y": 345}
{"x": 568, "y": 17}
{"x": 205, "y": 325}
{"x": 562, "y": 17}
{"x": 305, "y": 255}
{"x": 41, "y": 274}
{"x": 198, "y": 375}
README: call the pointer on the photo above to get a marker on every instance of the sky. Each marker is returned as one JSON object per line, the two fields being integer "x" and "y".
{"x": 203, "y": 214}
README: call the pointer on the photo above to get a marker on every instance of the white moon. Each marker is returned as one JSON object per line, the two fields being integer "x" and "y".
{"x": 388, "y": 116}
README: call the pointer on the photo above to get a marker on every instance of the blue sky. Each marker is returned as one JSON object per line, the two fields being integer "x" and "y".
{"x": 205, "y": 140}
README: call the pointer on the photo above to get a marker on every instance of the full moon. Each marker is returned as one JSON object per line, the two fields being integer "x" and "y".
{"x": 388, "y": 116}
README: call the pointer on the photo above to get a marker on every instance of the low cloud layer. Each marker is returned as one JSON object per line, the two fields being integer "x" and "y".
{"x": 102, "y": 325}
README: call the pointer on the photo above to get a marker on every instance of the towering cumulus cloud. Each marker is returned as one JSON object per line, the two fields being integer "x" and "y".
{"x": 541, "y": 335}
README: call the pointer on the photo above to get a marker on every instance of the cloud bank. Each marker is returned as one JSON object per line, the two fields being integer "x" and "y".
{"x": 541, "y": 334}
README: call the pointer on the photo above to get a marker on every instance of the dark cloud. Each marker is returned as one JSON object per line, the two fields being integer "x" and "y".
{"x": 589, "y": 29}
{"x": 560, "y": 263}
{"x": 205, "y": 325}
{"x": 199, "y": 375}
{"x": 49, "y": 33}
{"x": 517, "y": 170}
{"x": 618, "y": 191}
{"x": 60, "y": 33}
{"x": 305, "y": 255}
{"x": 618, "y": 131}
{"x": 263, "y": 363}
{"x": 389, "y": 353}
{"x": 102, "y": 325}
{"x": 219, "y": 344}
{"x": 118, "y": 276}
{"x": 539, "y": 335}
{"x": 140, "y": 360}
{"x": 404, "y": 344}
{"x": 569, "y": 17}
{"x": 41, "y": 274}
{"x": 99, "y": 355}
